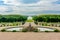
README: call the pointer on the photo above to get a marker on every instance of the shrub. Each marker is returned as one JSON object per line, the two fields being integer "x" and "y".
{"x": 43, "y": 24}
{"x": 14, "y": 31}
{"x": 56, "y": 30}
{"x": 36, "y": 22}
{"x": 47, "y": 31}
{"x": 24, "y": 30}
{"x": 23, "y": 23}
{"x": 36, "y": 30}
{"x": 46, "y": 25}
{"x": 3, "y": 30}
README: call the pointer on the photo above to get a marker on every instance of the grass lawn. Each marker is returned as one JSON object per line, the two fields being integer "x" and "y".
{"x": 30, "y": 21}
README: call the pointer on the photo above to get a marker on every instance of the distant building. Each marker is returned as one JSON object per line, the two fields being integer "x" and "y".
{"x": 29, "y": 18}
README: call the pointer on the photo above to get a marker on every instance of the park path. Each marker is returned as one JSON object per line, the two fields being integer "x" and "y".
{"x": 33, "y": 24}
{"x": 29, "y": 36}
{"x": 27, "y": 24}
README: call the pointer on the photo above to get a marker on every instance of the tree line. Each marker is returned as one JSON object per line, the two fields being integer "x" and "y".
{"x": 12, "y": 18}
{"x": 47, "y": 18}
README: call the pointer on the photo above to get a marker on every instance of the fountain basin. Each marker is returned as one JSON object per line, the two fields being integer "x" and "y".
{"x": 14, "y": 28}
{"x": 45, "y": 29}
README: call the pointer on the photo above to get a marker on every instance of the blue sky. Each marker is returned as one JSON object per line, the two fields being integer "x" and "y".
{"x": 29, "y": 7}
{"x": 29, "y": 1}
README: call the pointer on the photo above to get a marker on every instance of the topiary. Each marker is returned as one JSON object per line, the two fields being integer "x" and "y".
{"x": 35, "y": 30}
{"x": 56, "y": 30}
{"x": 36, "y": 22}
{"x": 47, "y": 31}
{"x": 3, "y": 30}
{"x": 14, "y": 31}
{"x": 24, "y": 30}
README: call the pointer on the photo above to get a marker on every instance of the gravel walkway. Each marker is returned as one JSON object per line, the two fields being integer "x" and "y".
{"x": 29, "y": 36}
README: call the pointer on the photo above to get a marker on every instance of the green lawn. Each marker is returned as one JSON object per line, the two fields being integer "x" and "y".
{"x": 30, "y": 21}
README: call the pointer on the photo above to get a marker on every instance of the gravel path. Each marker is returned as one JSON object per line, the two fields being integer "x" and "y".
{"x": 27, "y": 24}
{"x": 29, "y": 36}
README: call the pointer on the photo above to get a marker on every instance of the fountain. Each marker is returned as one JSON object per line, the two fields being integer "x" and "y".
{"x": 30, "y": 28}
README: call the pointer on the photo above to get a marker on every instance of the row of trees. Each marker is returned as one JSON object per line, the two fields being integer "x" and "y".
{"x": 47, "y": 18}
{"x": 12, "y": 18}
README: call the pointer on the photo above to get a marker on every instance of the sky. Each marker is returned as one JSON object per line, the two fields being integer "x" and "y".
{"x": 29, "y": 7}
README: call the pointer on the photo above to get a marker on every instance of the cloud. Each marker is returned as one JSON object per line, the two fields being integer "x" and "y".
{"x": 29, "y": 6}
{"x": 12, "y": 2}
{"x": 2, "y": 9}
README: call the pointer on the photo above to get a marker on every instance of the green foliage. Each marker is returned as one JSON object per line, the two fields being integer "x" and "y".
{"x": 47, "y": 18}
{"x": 36, "y": 30}
{"x": 56, "y": 30}
{"x": 43, "y": 25}
{"x": 10, "y": 23}
{"x": 47, "y": 31}
{"x": 23, "y": 23}
{"x": 35, "y": 18}
{"x": 14, "y": 31}
{"x": 24, "y": 30}
{"x": 46, "y": 24}
{"x": 12, "y": 18}
{"x": 36, "y": 22}
{"x": 3, "y": 30}
{"x": 29, "y": 20}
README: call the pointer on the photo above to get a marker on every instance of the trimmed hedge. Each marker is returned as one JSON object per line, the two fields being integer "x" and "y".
{"x": 56, "y": 30}
{"x": 3, "y": 30}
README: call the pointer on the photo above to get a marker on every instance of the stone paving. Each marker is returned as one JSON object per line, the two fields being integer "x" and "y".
{"x": 32, "y": 24}
{"x": 29, "y": 36}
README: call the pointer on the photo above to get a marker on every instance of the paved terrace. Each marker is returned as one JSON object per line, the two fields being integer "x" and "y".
{"x": 32, "y": 24}
{"x": 29, "y": 36}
